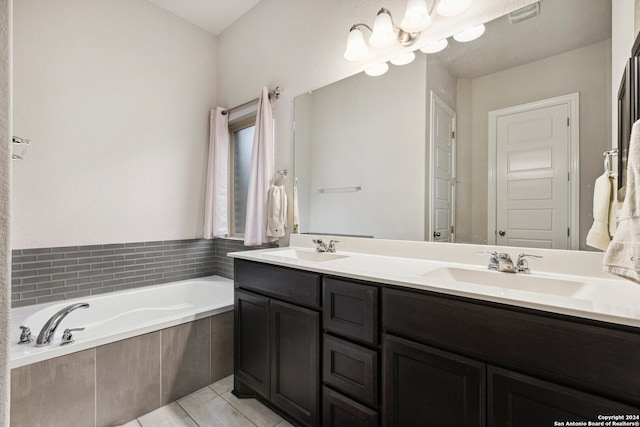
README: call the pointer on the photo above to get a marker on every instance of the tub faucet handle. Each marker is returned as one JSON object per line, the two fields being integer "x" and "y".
{"x": 67, "y": 337}
{"x": 25, "y": 335}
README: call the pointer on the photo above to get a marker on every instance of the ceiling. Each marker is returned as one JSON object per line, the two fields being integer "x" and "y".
{"x": 213, "y": 16}
{"x": 562, "y": 25}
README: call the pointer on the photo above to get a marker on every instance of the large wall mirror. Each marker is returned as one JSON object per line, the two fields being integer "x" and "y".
{"x": 530, "y": 105}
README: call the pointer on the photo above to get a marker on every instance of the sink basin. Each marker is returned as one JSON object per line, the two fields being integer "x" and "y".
{"x": 520, "y": 282}
{"x": 305, "y": 255}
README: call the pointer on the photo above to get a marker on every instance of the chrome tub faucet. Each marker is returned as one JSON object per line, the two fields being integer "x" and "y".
{"x": 49, "y": 329}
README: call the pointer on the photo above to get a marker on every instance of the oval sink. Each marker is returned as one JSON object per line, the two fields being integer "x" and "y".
{"x": 520, "y": 282}
{"x": 302, "y": 255}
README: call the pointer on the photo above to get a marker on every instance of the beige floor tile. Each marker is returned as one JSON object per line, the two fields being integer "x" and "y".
{"x": 133, "y": 423}
{"x": 284, "y": 423}
{"x": 171, "y": 415}
{"x": 210, "y": 410}
{"x": 223, "y": 386}
{"x": 259, "y": 414}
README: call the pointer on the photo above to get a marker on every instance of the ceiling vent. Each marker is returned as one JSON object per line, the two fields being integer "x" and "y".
{"x": 525, "y": 13}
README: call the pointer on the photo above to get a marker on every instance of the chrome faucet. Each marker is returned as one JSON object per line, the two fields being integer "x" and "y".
{"x": 49, "y": 329}
{"x": 500, "y": 262}
{"x": 522, "y": 266}
{"x": 323, "y": 247}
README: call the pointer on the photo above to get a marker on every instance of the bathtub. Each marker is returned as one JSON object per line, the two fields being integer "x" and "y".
{"x": 120, "y": 315}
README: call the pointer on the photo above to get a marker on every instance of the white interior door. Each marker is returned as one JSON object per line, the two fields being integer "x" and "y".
{"x": 442, "y": 171}
{"x": 532, "y": 177}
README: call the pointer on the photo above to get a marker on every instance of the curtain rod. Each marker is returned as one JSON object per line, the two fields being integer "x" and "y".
{"x": 274, "y": 93}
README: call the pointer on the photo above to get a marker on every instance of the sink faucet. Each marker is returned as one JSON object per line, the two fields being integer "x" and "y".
{"x": 500, "y": 262}
{"x": 49, "y": 328}
{"x": 522, "y": 266}
{"x": 323, "y": 247}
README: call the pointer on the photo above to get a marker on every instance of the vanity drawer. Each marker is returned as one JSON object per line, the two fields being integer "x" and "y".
{"x": 300, "y": 287}
{"x": 590, "y": 355}
{"x": 351, "y": 310}
{"x": 351, "y": 369}
{"x": 340, "y": 411}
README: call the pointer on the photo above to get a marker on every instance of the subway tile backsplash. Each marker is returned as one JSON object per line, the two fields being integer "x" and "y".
{"x": 53, "y": 274}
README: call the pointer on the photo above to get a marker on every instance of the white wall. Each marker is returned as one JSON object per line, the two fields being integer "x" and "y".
{"x": 278, "y": 42}
{"x": 586, "y": 71}
{"x": 5, "y": 193}
{"x": 622, "y": 36}
{"x": 115, "y": 96}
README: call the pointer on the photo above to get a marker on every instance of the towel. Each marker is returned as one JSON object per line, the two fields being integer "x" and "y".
{"x": 277, "y": 211}
{"x": 598, "y": 236}
{"x": 623, "y": 255}
{"x": 296, "y": 212}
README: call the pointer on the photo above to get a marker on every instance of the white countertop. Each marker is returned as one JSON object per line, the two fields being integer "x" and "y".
{"x": 564, "y": 282}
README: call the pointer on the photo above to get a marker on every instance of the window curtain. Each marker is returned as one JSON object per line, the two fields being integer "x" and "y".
{"x": 255, "y": 232}
{"x": 216, "y": 207}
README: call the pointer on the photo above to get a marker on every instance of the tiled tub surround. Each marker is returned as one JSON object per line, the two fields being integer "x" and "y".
{"x": 118, "y": 382}
{"x": 53, "y": 274}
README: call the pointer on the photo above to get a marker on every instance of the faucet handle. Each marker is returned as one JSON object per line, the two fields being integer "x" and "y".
{"x": 522, "y": 266}
{"x": 332, "y": 245}
{"x": 25, "y": 335}
{"x": 493, "y": 260}
{"x": 67, "y": 337}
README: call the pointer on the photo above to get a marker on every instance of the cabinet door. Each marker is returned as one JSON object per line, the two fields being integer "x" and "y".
{"x": 251, "y": 330}
{"x": 522, "y": 401}
{"x": 295, "y": 361}
{"x": 340, "y": 411}
{"x": 424, "y": 386}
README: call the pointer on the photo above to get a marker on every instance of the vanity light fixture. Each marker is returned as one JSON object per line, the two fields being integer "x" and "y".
{"x": 435, "y": 47}
{"x": 470, "y": 34}
{"x": 377, "y": 69}
{"x": 385, "y": 32}
{"x": 452, "y": 7}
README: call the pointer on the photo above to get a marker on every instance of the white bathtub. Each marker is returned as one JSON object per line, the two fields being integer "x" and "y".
{"x": 119, "y": 315}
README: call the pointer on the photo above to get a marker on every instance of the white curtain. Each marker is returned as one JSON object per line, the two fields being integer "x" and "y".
{"x": 255, "y": 232}
{"x": 216, "y": 207}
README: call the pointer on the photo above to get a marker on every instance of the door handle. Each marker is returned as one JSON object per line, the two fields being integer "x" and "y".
{"x": 436, "y": 234}
{"x": 502, "y": 232}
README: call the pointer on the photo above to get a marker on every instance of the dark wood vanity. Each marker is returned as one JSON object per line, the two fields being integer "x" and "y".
{"x": 325, "y": 350}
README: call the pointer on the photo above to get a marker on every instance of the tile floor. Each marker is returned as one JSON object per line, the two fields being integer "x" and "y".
{"x": 212, "y": 406}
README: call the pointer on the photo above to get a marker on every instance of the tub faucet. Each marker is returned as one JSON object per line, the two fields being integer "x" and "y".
{"x": 49, "y": 328}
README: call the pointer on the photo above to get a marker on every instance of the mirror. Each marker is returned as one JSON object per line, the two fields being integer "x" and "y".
{"x": 374, "y": 156}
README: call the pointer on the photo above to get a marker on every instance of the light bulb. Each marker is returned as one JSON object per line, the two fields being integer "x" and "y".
{"x": 377, "y": 69}
{"x": 435, "y": 46}
{"x": 452, "y": 7}
{"x": 470, "y": 33}
{"x": 404, "y": 59}
{"x": 383, "y": 33}
{"x": 416, "y": 18}
{"x": 356, "y": 47}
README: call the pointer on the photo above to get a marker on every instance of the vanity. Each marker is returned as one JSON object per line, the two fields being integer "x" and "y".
{"x": 393, "y": 333}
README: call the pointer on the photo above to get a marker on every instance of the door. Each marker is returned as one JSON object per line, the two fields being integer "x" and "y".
{"x": 295, "y": 361}
{"x": 522, "y": 401}
{"x": 424, "y": 386}
{"x": 532, "y": 190}
{"x": 442, "y": 175}
{"x": 251, "y": 325}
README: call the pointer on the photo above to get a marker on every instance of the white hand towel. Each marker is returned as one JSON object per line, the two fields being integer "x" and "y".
{"x": 277, "y": 211}
{"x": 623, "y": 255}
{"x": 598, "y": 236}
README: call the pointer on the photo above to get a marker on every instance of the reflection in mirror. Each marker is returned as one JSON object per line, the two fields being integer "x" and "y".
{"x": 536, "y": 94}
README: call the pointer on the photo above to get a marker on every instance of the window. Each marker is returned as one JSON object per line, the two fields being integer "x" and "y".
{"x": 241, "y": 138}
